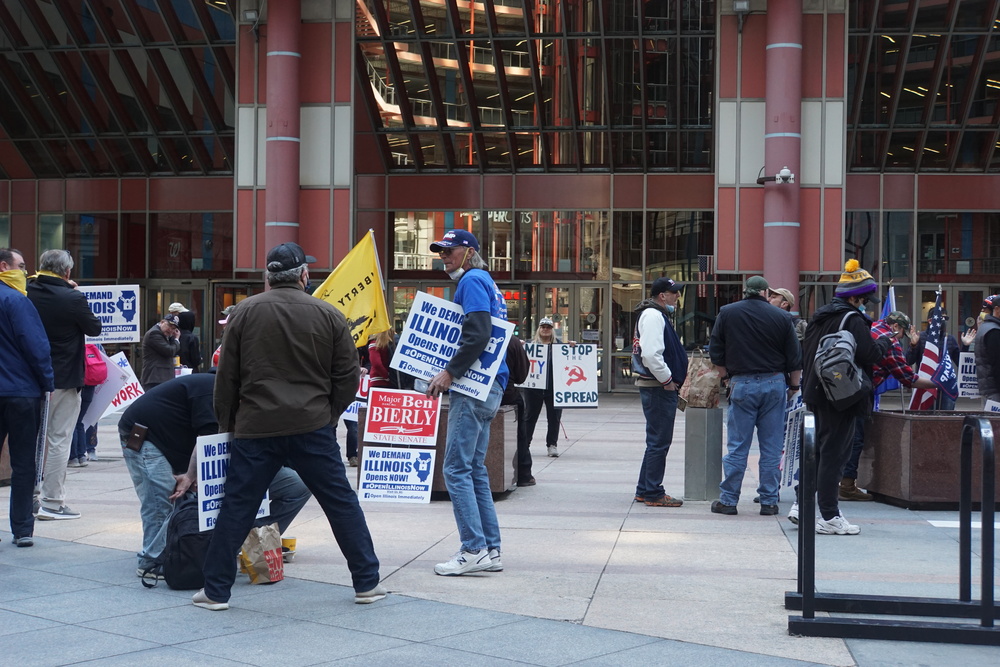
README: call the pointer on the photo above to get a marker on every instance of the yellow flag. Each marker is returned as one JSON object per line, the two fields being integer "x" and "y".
{"x": 355, "y": 289}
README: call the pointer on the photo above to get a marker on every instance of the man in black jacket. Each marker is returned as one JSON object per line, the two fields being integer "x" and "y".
{"x": 988, "y": 350}
{"x": 835, "y": 428}
{"x": 67, "y": 319}
{"x": 159, "y": 347}
{"x": 755, "y": 344}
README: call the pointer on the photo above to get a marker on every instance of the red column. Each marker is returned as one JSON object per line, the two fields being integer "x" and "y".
{"x": 281, "y": 208}
{"x": 783, "y": 142}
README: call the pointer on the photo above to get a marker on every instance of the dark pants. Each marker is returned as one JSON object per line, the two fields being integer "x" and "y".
{"x": 78, "y": 450}
{"x": 834, "y": 437}
{"x": 522, "y": 460}
{"x": 352, "y": 438}
{"x": 858, "y": 444}
{"x": 252, "y": 465}
{"x": 20, "y": 418}
{"x": 533, "y": 400}
{"x": 660, "y": 408}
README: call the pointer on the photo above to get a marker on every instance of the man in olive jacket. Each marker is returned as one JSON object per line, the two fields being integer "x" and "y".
{"x": 67, "y": 319}
{"x": 287, "y": 371}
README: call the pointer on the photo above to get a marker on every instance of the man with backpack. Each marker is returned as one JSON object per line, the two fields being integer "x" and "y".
{"x": 835, "y": 418}
{"x": 754, "y": 345}
{"x": 158, "y": 433}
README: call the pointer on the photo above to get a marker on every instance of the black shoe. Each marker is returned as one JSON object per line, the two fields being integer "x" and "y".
{"x": 768, "y": 510}
{"x": 756, "y": 499}
{"x": 718, "y": 507}
{"x": 528, "y": 482}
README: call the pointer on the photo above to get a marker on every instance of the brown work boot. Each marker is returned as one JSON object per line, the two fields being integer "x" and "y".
{"x": 849, "y": 491}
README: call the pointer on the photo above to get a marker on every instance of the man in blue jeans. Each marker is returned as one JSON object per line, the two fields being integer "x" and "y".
{"x": 287, "y": 371}
{"x": 755, "y": 344}
{"x": 469, "y": 419}
{"x": 162, "y": 463}
{"x": 660, "y": 365}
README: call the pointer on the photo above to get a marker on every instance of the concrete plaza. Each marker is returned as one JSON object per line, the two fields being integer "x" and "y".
{"x": 591, "y": 577}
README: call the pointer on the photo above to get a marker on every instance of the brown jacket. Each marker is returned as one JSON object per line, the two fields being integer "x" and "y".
{"x": 288, "y": 365}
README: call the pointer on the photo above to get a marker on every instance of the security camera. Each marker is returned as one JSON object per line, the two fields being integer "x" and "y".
{"x": 784, "y": 176}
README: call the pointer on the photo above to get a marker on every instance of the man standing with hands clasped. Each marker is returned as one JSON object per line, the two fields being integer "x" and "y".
{"x": 660, "y": 364}
{"x": 469, "y": 419}
{"x": 756, "y": 345}
{"x": 287, "y": 371}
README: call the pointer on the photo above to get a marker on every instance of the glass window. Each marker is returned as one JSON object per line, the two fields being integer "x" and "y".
{"x": 4, "y": 231}
{"x": 191, "y": 245}
{"x": 50, "y": 233}
{"x": 861, "y": 237}
{"x": 897, "y": 246}
{"x": 93, "y": 241}
{"x": 573, "y": 244}
{"x": 679, "y": 244}
{"x": 414, "y": 231}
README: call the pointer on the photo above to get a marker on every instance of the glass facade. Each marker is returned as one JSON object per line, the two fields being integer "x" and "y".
{"x": 116, "y": 87}
{"x": 923, "y": 86}
{"x": 562, "y": 85}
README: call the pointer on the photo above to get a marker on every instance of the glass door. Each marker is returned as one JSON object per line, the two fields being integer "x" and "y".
{"x": 578, "y": 314}
{"x": 963, "y": 304}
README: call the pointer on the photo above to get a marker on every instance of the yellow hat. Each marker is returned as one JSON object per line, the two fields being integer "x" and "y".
{"x": 855, "y": 281}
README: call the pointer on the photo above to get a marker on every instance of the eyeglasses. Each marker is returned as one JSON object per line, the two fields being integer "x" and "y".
{"x": 444, "y": 252}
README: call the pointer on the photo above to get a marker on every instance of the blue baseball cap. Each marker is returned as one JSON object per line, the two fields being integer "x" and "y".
{"x": 456, "y": 238}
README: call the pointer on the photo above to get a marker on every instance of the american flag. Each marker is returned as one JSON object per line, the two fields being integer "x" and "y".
{"x": 935, "y": 364}
{"x": 890, "y": 383}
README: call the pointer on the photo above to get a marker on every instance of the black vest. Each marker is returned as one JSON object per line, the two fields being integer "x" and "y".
{"x": 985, "y": 372}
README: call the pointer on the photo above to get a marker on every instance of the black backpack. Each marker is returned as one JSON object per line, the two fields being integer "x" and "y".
{"x": 517, "y": 361}
{"x": 184, "y": 555}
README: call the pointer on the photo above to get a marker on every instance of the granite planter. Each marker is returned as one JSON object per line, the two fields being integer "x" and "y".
{"x": 912, "y": 459}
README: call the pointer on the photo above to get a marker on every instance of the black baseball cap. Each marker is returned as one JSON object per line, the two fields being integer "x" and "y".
{"x": 661, "y": 285}
{"x": 286, "y": 257}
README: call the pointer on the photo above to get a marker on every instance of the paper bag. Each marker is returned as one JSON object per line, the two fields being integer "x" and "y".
{"x": 261, "y": 555}
{"x": 701, "y": 386}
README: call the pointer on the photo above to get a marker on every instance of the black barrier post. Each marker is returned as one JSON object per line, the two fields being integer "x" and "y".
{"x": 807, "y": 516}
{"x": 985, "y": 633}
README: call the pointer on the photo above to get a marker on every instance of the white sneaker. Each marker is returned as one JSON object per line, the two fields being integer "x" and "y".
{"x": 838, "y": 525}
{"x": 793, "y": 514}
{"x": 199, "y": 599}
{"x": 495, "y": 564}
{"x": 553, "y": 451}
{"x": 374, "y": 595}
{"x": 61, "y": 514}
{"x": 464, "y": 562}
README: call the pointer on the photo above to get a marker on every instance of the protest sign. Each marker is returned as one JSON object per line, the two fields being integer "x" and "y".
{"x": 107, "y": 391}
{"x": 213, "y": 467}
{"x": 991, "y": 406}
{"x": 968, "y": 382}
{"x": 351, "y": 413}
{"x": 397, "y": 416}
{"x": 795, "y": 411}
{"x": 574, "y": 376}
{"x": 127, "y": 393}
{"x": 430, "y": 339}
{"x": 538, "y": 355}
{"x": 396, "y": 475}
{"x": 117, "y": 307}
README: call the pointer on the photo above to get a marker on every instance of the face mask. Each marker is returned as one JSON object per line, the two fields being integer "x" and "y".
{"x": 15, "y": 278}
{"x": 456, "y": 274}
{"x": 861, "y": 307}
{"x": 671, "y": 309}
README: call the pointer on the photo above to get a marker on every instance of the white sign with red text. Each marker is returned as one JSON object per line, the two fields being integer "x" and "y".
{"x": 107, "y": 391}
{"x": 127, "y": 392}
{"x": 400, "y": 417}
{"x": 574, "y": 375}
{"x": 538, "y": 355}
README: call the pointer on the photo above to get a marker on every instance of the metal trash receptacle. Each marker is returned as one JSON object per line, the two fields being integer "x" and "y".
{"x": 702, "y": 453}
